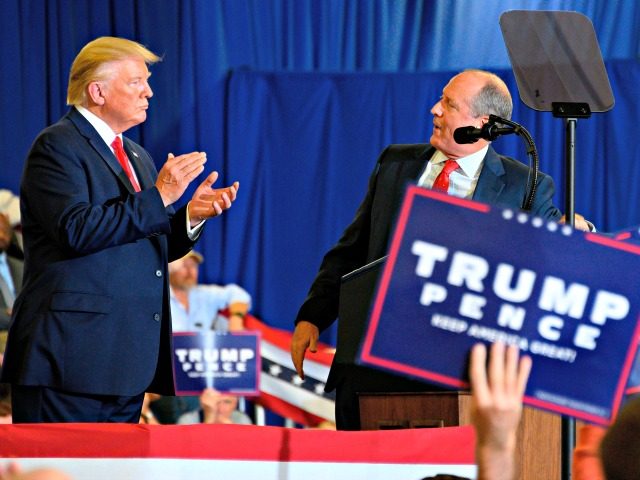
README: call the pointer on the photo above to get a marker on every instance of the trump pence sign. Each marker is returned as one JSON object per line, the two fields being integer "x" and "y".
{"x": 459, "y": 272}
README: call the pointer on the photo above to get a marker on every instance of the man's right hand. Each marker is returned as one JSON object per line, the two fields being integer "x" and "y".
{"x": 304, "y": 336}
{"x": 177, "y": 173}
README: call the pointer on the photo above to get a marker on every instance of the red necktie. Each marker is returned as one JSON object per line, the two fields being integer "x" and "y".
{"x": 124, "y": 162}
{"x": 442, "y": 180}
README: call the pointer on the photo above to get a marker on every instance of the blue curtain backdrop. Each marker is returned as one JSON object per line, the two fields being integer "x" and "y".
{"x": 296, "y": 99}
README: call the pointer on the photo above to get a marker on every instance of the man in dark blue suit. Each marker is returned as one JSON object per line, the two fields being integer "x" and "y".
{"x": 479, "y": 173}
{"x": 91, "y": 329}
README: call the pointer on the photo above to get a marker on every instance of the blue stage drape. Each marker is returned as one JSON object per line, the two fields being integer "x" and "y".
{"x": 296, "y": 98}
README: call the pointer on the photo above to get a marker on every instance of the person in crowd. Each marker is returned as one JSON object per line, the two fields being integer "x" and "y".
{"x": 10, "y": 206}
{"x": 497, "y": 391}
{"x": 91, "y": 328}
{"x": 5, "y": 389}
{"x": 620, "y": 447}
{"x": 147, "y": 417}
{"x": 11, "y": 270}
{"x": 13, "y": 471}
{"x": 195, "y": 307}
{"x": 472, "y": 171}
{"x": 216, "y": 407}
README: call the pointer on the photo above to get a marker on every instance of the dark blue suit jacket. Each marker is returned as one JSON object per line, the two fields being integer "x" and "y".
{"x": 502, "y": 182}
{"x": 93, "y": 316}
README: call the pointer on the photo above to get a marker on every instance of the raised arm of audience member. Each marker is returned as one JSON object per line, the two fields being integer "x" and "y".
{"x": 496, "y": 407}
{"x": 237, "y": 312}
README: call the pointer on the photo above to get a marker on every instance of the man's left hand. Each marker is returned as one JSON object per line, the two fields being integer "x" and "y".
{"x": 210, "y": 202}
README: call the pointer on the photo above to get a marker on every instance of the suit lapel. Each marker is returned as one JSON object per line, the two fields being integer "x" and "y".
{"x": 421, "y": 166}
{"x": 101, "y": 148}
{"x": 144, "y": 176}
{"x": 491, "y": 182}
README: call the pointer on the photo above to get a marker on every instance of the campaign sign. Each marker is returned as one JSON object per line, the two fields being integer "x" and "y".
{"x": 460, "y": 272}
{"x": 228, "y": 362}
{"x": 633, "y": 384}
{"x": 631, "y": 235}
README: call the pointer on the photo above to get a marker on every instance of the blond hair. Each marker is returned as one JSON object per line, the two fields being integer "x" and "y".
{"x": 88, "y": 66}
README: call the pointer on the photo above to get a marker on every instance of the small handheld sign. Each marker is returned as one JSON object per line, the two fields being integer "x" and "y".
{"x": 227, "y": 362}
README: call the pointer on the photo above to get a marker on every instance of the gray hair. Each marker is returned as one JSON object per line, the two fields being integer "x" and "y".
{"x": 494, "y": 98}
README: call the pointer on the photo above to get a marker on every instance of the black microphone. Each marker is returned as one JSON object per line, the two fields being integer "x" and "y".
{"x": 489, "y": 131}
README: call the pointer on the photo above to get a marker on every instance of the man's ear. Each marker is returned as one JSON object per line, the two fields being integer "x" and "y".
{"x": 483, "y": 120}
{"x": 95, "y": 92}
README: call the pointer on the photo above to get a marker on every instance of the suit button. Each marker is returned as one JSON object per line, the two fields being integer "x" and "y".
{"x": 158, "y": 273}
{"x": 156, "y": 317}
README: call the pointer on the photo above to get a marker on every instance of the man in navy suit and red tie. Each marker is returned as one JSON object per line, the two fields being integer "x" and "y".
{"x": 478, "y": 173}
{"x": 91, "y": 329}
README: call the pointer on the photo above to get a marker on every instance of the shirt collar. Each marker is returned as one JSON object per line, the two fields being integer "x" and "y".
{"x": 470, "y": 164}
{"x": 104, "y": 130}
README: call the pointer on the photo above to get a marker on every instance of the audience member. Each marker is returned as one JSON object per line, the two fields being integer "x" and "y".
{"x": 10, "y": 206}
{"x": 11, "y": 269}
{"x": 587, "y": 463}
{"x": 147, "y": 416}
{"x": 497, "y": 390}
{"x": 216, "y": 407}
{"x": 13, "y": 471}
{"x": 195, "y": 307}
{"x": 496, "y": 407}
{"x": 5, "y": 388}
{"x": 620, "y": 447}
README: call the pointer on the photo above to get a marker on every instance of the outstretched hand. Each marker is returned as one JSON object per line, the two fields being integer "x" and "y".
{"x": 209, "y": 202}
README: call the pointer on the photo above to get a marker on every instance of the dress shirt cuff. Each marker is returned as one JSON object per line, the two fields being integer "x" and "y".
{"x": 193, "y": 232}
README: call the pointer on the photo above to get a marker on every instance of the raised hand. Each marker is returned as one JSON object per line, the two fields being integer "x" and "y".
{"x": 209, "y": 202}
{"x": 496, "y": 407}
{"x": 177, "y": 173}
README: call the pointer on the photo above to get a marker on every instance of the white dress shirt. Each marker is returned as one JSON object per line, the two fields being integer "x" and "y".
{"x": 463, "y": 180}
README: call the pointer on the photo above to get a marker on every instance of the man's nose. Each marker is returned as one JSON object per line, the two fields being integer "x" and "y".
{"x": 437, "y": 108}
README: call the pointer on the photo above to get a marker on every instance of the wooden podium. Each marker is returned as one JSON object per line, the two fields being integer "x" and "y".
{"x": 538, "y": 449}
